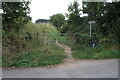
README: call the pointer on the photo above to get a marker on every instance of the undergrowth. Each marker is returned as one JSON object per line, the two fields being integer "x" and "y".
{"x": 98, "y": 52}
{"x": 33, "y": 45}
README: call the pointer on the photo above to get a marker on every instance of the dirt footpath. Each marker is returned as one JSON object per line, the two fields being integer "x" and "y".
{"x": 68, "y": 51}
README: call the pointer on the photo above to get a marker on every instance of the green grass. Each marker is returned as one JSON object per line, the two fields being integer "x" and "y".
{"x": 34, "y": 58}
{"x": 66, "y": 40}
{"x": 38, "y": 51}
{"x": 99, "y": 52}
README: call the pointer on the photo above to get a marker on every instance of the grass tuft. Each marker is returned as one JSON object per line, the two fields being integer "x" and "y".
{"x": 36, "y": 50}
{"x": 99, "y": 52}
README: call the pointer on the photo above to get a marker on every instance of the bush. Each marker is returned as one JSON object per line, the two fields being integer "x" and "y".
{"x": 99, "y": 52}
{"x": 30, "y": 47}
{"x": 33, "y": 58}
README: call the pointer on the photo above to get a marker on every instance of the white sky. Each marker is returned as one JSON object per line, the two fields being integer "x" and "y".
{"x": 43, "y": 9}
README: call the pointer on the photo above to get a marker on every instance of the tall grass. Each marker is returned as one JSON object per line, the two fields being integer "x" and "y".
{"x": 98, "y": 52}
{"x": 20, "y": 51}
{"x": 105, "y": 48}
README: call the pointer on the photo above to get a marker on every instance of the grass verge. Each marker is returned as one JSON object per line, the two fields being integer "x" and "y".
{"x": 99, "y": 52}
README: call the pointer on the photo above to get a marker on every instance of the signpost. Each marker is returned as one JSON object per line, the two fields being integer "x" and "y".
{"x": 90, "y": 22}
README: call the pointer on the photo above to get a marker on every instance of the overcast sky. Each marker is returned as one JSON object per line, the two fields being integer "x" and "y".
{"x": 43, "y": 9}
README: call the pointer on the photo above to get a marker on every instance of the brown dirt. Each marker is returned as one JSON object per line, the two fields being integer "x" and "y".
{"x": 68, "y": 51}
{"x": 70, "y": 61}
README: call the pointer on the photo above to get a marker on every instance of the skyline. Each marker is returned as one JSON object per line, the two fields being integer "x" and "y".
{"x": 43, "y": 9}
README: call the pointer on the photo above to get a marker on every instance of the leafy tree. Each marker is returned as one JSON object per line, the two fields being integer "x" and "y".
{"x": 15, "y": 15}
{"x": 93, "y": 9}
{"x": 106, "y": 16}
{"x": 109, "y": 21}
{"x": 74, "y": 15}
{"x": 74, "y": 20}
{"x": 57, "y": 20}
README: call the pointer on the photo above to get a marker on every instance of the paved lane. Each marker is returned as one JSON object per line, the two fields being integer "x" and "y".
{"x": 79, "y": 69}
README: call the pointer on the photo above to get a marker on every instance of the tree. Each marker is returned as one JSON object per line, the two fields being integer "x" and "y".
{"x": 93, "y": 9}
{"x": 109, "y": 21}
{"x": 74, "y": 16}
{"x": 57, "y": 20}
{"x": 107, "y": 18}
{"x": 74, "y": 19}
{"x": 15, "y": 15}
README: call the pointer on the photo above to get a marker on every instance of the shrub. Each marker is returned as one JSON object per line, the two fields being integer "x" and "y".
{"x": 35, "y": 50}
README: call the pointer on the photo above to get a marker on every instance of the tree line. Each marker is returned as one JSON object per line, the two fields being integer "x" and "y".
{"x": 106, "y": 16}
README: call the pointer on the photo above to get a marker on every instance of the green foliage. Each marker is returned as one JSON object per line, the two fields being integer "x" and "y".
{"x": 104, "y": 30}
{"x": 99, "y": 52}
{"x": 33, "y": 58}
{"x": 37, "y": 51}
{"x": 106, "y": 16}
{"x": 109, "y": 21}
{"x": 93, "y": 9}
{"x": 74, "y": 20}
{"x": 57, "y": 20}
{"x": 105, "y": 26}
{"x": 15, "y": 15}
{"x": 74, "y": 16}
{"x": 65, "y": 27}
{"x": 66, "y": 39}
